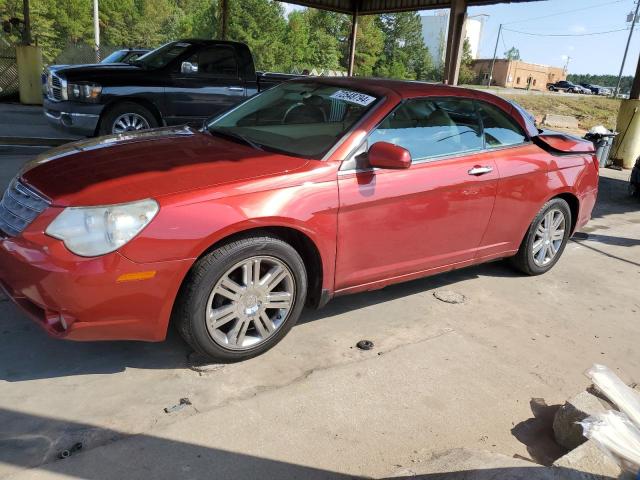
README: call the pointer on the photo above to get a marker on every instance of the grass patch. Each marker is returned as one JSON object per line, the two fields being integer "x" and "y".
{"x": 589, "y": 110}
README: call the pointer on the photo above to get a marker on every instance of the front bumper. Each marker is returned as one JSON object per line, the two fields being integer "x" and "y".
{"x": 88, "y": 298}
{"x": 71, "y": 117}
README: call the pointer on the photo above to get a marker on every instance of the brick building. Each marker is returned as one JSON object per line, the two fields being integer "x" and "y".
{"x": 517, "y": 74}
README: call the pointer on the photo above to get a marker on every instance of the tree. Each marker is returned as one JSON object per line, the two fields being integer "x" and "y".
{"x": 261, "y": 25}
{"x": 512, "y": 54}
{"x": 466, "y": 75}
{"x": 404, "y": 54}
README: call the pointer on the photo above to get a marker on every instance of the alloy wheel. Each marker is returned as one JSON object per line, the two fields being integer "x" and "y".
{"x": 128, "y": 122}
{"x": 548, "y": 238}
{"x": 250, "y": 302}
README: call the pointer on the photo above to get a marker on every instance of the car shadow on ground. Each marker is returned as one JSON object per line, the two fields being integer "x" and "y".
{"x": 32, "y": 441}
{"x": 28, "y": 353}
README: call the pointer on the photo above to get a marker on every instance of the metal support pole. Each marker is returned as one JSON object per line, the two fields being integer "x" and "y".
{"x": 626, "y": 49}
{"x": 26, "y": 31}
{"x": 635, "y": 88}
{"x": 352, "y": 44}
{"x": 455, "y": 41}
{"x": 224, "y": 18}
{"x": 495, "y": 52}
{"x": 96, "y": 29}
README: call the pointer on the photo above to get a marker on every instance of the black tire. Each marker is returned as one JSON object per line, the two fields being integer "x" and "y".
{"x": 109, "y": 118}
{"x": 192, "y": 303}
{"x": 633, "y": 190}
{"x": 524, "y": 259}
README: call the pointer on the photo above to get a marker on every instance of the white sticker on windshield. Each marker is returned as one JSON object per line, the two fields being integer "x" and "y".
{"x": 353, "y": 97}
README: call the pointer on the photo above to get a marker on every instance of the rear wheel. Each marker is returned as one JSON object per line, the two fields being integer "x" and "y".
{"x": 242, "y": 298}
{"x": 127, "y": 117}
{"x": 546, "y": 238}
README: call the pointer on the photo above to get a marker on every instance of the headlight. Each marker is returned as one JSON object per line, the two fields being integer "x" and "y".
{"x": 84, "y": 92}
{"x": 94, "y": 231}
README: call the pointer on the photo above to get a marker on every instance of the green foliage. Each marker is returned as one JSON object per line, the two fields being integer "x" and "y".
{"x": 387, "y": 45}
{"x": 512, "y": 54}
{"x": 404, "y": 53}
{"x": 466, "y": 76}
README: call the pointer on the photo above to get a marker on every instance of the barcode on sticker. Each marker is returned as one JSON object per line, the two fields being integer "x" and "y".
{"x": 353, "y": 97}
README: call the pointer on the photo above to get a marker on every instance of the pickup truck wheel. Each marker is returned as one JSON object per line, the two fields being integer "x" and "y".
{"x": 546, "y": 238}
{"x": 127, "y": 117}
{"x": 242, "y": 298}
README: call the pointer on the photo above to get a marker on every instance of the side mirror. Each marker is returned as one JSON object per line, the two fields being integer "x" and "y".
{"x": 188, "y": 67}
{"x": 388, "y": 155}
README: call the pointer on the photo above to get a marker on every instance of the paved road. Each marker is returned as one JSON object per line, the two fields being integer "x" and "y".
{"x": 26, "y": 121}
{"x": 440, "y": 377}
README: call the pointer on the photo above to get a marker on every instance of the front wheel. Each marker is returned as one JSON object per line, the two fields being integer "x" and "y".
{"x": 127, "y": 117}
{"x": 546, "y": 238}
{"x": 242, "y": 298}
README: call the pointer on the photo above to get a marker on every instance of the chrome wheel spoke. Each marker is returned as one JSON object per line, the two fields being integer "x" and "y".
{"x": 278, "y": 300}
{"x": 537, "y": 246}
{"x": 557, "y": 235}
{"x": 243, "y": 308}
{"x": 222, "y": 315}
{"x": 230, "y": 289}
{"x": 273, "y": 278}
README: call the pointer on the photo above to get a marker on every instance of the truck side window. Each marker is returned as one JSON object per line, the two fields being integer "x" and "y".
{"x": 215, "y": 61}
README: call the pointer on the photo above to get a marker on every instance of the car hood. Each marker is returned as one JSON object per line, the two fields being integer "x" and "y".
{"x": 150, "y": 164}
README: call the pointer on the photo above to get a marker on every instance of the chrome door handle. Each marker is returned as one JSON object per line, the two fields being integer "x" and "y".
{"x": 480, "y": 170}
{"x": 236, "y": 89}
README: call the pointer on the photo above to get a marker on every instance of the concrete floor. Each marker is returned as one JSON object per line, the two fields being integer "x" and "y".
{"x": 446, "y": 389}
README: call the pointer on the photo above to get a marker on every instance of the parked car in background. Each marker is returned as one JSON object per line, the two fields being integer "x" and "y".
{"x": 312, "y": 189}
{"x": 582, "y": 90}
{"x": 564, "y": 86}
{"x": 125, "y": 55}
{"x": 181, "y": 82}
{"x": 597, "y": 89}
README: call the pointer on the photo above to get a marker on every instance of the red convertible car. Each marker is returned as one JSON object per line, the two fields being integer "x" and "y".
{"x": 315, "y": 188}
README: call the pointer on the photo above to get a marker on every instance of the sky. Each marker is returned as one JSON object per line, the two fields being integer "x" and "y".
{"x": 596, "y": 54}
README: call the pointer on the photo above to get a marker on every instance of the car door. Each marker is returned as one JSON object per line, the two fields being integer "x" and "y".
{"x": 523, "y": 181}
{"x": 394, "y": 223}
{"x": 204, "y": 84}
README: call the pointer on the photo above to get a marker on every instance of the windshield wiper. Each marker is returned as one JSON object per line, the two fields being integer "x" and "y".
{"x": 234, "y": 136}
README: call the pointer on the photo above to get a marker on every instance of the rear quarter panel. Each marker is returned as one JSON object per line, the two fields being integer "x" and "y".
{"x": 529, "y": 177}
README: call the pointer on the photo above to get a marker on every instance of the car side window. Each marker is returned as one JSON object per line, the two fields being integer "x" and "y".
{"x": 215, "y": 61}
{"x": 431, "y": 127}
{"x": 500, "y": 130}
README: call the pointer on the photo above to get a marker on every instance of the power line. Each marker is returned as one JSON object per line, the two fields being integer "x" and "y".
{"x": 565, "y": 34}
{"x": 565, "y": 12}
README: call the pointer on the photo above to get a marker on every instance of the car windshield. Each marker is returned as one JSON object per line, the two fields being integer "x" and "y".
{"x": 115, "y": 57}
{"x": 162, "y": 56}
{"x": 305, "y": 119}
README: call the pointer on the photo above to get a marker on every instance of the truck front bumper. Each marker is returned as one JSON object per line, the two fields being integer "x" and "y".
{"x": 71, "y": 117}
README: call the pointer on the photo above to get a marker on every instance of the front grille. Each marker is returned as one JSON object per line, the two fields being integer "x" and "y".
{"x": 19, "y": 207}
{"x": 55, "y": 87}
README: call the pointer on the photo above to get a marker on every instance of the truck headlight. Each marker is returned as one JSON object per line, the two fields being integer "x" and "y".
{"x": 84, "y": 92}
{"x": 94, "y": 231}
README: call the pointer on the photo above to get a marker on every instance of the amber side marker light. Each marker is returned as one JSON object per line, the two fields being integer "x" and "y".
{"x": 136, "y": 276}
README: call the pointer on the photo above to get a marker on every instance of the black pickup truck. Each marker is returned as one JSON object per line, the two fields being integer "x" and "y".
{"x": 181, "y": 82}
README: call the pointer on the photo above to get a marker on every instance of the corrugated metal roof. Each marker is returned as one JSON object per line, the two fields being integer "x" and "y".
{"x": 383, "y": 6}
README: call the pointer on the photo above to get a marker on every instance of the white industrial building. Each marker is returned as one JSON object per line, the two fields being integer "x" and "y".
{"x": 434, "y": 32}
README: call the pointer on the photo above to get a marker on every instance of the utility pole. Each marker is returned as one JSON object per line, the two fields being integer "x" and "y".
{"x": 626, "y": 50}
{"x": 566, "y": 65}
{"x": 26, "y": 31}
{"x": 495, "y": 52}
{"x": 96, "y": 29}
